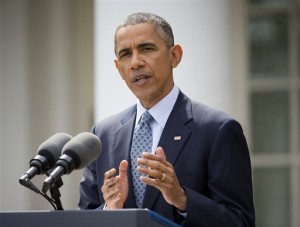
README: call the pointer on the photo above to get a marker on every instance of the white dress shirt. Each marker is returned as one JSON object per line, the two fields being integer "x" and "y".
{"x": 160, "y": 112}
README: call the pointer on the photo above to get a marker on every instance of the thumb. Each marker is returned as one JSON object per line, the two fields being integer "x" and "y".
{"x": 160, "y": 152}
{"x": 123, "y": 169}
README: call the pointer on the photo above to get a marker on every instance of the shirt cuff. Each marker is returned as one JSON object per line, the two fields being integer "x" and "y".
{"x": 183, "y": 213}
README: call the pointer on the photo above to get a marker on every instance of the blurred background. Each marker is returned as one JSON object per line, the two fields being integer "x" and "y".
{"x": 241, "y": 56}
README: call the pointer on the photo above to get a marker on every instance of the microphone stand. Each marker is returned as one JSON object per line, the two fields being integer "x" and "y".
{"x": 27, "y": 183}
{"x": 54, "y": 189}
{"x": 55, "y": 193}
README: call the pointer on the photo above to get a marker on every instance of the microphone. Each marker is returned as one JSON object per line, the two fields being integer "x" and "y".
{"x": 76, "y": 154}
{"x": 48, "y": 152}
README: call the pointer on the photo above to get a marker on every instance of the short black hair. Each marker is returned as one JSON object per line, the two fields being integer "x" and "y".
{"x": 162, "y": 27}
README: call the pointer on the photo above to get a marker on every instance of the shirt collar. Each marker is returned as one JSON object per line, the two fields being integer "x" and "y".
{"x": 161, "y": 110}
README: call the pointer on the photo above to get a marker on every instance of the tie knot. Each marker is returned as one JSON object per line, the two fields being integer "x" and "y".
{"x": 146, "y": 117}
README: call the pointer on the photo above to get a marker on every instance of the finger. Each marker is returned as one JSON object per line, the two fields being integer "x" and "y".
{"x": 149, "y": 181}
{"x": 161, "y": 185}
{"x": 158, "y": 156}
{"x": 153, "y": 161}
{"x": 109, "y": 174}
{"x": 160, "y": 152}
{"x": 152, "y": 157}
{"x": 123, "y": 169}
{"x": 109, "y": 184}
{"x": 109, "y": 180}
{"x": 153, "y": 164}
{"x": 152, "y": 173}
{"x": 109, "y": 193}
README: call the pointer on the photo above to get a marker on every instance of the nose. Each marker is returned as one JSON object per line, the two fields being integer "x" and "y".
{"x": 136, "y": 61}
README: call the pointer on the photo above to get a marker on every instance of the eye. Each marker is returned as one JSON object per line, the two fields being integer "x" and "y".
{"x": 124, "y": 54}
{"x": 148, "y": 49}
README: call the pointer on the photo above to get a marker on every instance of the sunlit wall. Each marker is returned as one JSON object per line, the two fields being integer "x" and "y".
{"x": 203, "y": 30}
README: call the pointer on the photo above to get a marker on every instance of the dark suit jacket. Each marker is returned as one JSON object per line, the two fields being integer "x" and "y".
{"x": 211, "y": 162}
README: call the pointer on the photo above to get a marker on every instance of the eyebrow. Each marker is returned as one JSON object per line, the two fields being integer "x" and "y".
{"x": 124, "y": 50}
{"x": 146, "y": 45}
{"x": 142, "y": 45}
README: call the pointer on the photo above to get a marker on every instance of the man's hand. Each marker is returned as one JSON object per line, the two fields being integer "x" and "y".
{"x": 115, "y": 188}
{"x": 160, "y": 174}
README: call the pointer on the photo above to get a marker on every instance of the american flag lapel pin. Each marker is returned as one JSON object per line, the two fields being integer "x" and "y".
{"x": 177, "y": 138}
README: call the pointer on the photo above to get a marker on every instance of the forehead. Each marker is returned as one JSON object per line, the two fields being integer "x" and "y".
{"x": 133, "y": 34}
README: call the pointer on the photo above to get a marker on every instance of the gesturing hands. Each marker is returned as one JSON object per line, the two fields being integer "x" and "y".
{"x": 159, "y": 173}
{"x": 115, "y": 188}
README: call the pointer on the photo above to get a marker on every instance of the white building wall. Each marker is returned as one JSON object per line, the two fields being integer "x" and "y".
{"x": 201, "y": 27}
{"x": 14, "y": 96}
{"x": 46, "y": 69}
{"x": 46, "y": 86}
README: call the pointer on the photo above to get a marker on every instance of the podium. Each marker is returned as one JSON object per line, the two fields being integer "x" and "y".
{"x": 84, "y": 218}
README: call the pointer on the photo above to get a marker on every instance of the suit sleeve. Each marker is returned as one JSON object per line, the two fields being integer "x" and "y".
{"x": 89, "y": 190}
{"x": 230, "y": 202}
{"x": 89, "y": 194}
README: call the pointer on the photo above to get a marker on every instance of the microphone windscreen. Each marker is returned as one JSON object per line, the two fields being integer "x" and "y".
{"x": 83, "y": 149}
{"x": 51, "y": 148}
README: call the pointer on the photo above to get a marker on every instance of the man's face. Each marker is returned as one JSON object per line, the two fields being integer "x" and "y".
{"x": 145, "y": 62}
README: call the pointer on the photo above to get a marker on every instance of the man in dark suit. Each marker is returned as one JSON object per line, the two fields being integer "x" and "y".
{"x": 197, "y": 171}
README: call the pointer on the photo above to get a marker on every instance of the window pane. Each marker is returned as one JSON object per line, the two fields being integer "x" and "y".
{"x": 270, "y": 119}
{"x": 271, "y": 196}
{"x": 268, "y": 46}
{"x": 270, "y": 2}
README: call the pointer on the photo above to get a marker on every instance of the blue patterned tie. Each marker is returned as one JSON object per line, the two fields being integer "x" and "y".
{"x": 142, "y": 141}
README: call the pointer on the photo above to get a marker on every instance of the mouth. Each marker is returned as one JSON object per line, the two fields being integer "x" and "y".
{"x": 140, "y": 78}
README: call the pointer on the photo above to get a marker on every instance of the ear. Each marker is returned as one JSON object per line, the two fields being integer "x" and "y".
{"x": 176, "y": 55}
{"x": 116, "y": 63}
{"x": 117, "y": 66}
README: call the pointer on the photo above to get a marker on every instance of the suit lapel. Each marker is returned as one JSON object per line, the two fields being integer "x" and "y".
{"x": 121, "y": 147}
{"x": 173, "y": 138}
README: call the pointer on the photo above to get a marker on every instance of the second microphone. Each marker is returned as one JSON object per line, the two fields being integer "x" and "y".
{"x": 80, "y": 151}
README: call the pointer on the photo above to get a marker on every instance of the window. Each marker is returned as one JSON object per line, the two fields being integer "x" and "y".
{"x": 274, "y": 103}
